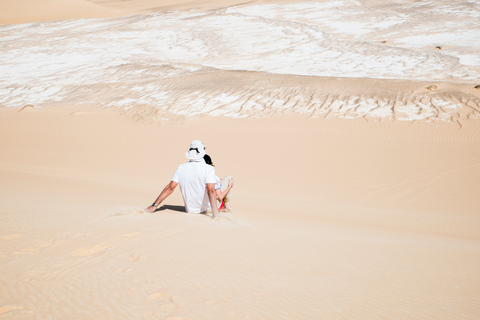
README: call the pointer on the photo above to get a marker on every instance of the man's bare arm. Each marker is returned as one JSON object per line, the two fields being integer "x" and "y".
{"x": 163, "y": 195}
{"x": 212, "y": 196}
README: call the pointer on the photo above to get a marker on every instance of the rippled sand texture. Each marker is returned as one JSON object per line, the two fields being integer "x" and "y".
{"x": 333, "y": 218}
{"x": 161, "y": 61}
{"x": 351, "y": 127}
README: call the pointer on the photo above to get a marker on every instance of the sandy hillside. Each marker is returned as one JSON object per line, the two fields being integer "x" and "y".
{"x": 354, "y": 142}
{"x": 341, "y": 218}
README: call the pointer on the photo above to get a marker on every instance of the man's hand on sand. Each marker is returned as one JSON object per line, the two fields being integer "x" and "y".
{"x": 151, "y": 209}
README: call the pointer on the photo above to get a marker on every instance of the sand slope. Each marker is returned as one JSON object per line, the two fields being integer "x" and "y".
{"x": 351, "y": 127}
{"x": 343, "y": 218}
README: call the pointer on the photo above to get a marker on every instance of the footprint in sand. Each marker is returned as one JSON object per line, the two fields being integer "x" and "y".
{"x": 134, "y": 257}
{"x": 210, "y": 302}
{"x": 432, "y": 87}
{"x": 90, "y": 250}
{"x": 438, "y": 47}
{"x": 164, "y": 299}
{"x": 160, "y": 296}
{"x": 46, "y": 244}
{"x": 477, "y": 86}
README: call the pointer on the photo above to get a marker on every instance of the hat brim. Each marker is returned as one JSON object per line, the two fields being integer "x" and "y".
{"x": 194, "y": 155}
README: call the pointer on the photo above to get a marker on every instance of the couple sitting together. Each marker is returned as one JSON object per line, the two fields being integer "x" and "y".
{"x": 199, "y": 185}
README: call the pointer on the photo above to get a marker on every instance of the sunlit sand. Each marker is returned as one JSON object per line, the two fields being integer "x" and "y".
{"x": 351, "y": 127}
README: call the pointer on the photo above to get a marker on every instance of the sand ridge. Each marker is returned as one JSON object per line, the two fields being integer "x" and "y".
{"x": 247, "y": 94}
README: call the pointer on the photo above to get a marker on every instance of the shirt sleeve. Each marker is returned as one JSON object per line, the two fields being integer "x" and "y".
{"x": 176, "y": 175}
{"x": 210, "y": 177}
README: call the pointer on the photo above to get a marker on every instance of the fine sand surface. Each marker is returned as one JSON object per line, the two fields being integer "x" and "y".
{"x": 357, "y": 177}
{"x": 334, "y": 218}
{"x": 27, "y": 11}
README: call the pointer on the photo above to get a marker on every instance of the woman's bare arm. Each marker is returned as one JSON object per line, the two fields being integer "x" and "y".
{"x": 221, "y": 194}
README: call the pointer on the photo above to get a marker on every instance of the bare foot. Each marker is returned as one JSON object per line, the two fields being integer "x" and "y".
{"x": 226, "y": 209}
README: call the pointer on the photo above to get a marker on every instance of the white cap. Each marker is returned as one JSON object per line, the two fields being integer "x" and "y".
{"x": 196, "y": 151}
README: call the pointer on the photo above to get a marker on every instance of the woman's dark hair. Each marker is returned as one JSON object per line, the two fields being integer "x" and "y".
{"x": 208, "y": 160}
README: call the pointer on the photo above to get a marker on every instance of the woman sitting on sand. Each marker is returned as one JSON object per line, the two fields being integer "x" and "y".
{"x": 222, "y": 187}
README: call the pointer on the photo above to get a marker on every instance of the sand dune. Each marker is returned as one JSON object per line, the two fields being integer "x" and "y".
{"x": 351, "y": 128}
{"x": 332, "y": 217}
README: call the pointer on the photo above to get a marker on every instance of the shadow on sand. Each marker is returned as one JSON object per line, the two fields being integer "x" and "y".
{"x": 169, "y": 207}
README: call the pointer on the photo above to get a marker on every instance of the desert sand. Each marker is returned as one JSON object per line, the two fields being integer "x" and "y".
{"x": 357, "y": 177}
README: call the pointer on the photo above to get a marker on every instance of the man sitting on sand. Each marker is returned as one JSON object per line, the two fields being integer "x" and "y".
{"x": 197, "y": 183}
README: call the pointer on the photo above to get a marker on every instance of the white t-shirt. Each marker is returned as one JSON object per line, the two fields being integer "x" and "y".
{"x": 218, "y": 183}
{"x": 192, "y": 177}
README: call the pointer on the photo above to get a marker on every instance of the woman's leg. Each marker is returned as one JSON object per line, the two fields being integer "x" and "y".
{"x": 225, "y": 183}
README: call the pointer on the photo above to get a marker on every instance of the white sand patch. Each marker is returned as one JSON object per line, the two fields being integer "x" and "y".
{"x": 469, "y": 59}
{"x": 50, "y": 62}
